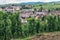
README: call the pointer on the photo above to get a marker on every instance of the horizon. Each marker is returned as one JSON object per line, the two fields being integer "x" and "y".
{"x": 24, "y": 1}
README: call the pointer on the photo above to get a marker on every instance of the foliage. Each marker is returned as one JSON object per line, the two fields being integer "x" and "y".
{"x": 11, "y": 26}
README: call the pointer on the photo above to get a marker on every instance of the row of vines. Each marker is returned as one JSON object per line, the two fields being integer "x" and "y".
{"x": 11, "y": 26}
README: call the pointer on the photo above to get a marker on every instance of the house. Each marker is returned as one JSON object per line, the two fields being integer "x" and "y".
{"x": 1, "y": 9}
{"x": 24, "y": 17}
{"x": 28, "y": 6}
{"x": 26, "y": 13}
{"x": 40, "y": 14}
{"x": 58, "y": 12}
{"x": 12, "y": 8}
{"x": 54, "y": 12}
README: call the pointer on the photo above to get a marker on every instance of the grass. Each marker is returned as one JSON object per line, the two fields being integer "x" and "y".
{"x": 47, "y": 6}
{"x": 44, "y": 33}
{"x": 28, "y": 38}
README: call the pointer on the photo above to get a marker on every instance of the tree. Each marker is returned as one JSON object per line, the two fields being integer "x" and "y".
{"x": 31, "y": 25}
{"x": 38, "y": 26}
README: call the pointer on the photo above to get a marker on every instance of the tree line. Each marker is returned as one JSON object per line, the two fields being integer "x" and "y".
{"x": 11, "y": 26}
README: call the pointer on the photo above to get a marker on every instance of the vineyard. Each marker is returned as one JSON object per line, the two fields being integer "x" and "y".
{"x": 11, "y": 26}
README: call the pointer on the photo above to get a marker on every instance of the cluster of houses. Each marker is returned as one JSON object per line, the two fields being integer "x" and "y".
{"x": 12, "y": 9}
{"x": 27, "y": 13}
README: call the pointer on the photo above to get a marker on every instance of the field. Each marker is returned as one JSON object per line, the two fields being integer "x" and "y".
{"x": 47, "y": 6}
{"x": 44, "y": 36}
{"x": 46, "y": 27}
{"x": 48, "y": 36}
{"x": 12, "y": 28}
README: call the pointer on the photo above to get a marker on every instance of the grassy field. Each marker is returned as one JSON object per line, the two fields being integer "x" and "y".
{"x": 47, "y": 6}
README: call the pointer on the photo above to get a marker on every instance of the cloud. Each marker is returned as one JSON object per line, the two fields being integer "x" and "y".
{"x": 19, "y": 1}
{"x": 45, "y": 0}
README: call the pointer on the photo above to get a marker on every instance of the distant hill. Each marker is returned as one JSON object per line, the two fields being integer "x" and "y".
{"x": 56, "y": 2}
{"x": 33, "y": 3}
{"x": 27, "y": 3}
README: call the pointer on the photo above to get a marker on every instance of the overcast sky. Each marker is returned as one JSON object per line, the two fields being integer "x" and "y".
{"x": 19, "y": 1}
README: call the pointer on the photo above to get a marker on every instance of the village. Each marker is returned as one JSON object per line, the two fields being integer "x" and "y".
{"x": 29, "y": 20}
{"x": 27, "y": 11}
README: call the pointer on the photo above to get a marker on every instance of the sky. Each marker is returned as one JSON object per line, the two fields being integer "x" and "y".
{"x": 19, "y": 1}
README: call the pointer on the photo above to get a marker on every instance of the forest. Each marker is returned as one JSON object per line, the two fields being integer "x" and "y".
{"x": 11, "y": 26}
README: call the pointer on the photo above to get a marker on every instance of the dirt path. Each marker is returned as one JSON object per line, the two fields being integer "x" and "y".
{"x": 48, "y": 36}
